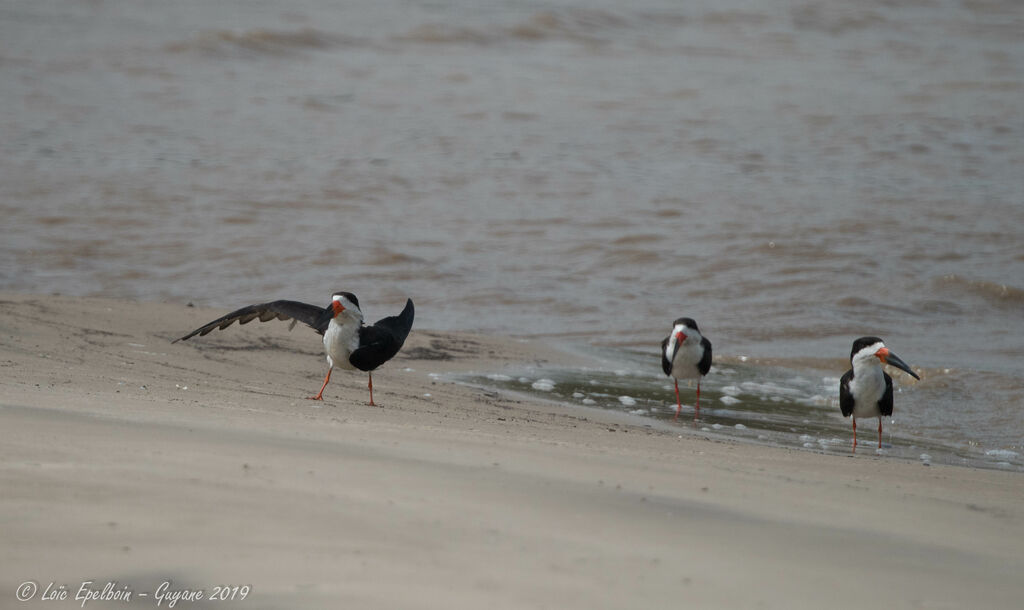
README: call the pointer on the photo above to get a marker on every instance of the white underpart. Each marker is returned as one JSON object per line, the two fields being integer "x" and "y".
{"x": 342, "y": 335}
{"x": 868, "y": 383}
{"x": 684, "y": 365}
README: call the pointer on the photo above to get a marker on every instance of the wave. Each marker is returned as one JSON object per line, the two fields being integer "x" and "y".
{"x": 993, "y": 293}
{"x": 576, "y": 25}
{"x": 227, "y": 43}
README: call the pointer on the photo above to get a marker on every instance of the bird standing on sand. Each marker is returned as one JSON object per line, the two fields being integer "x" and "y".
{"x": 348, "y": 343}
{"x": 686, "y": 354}
{"x": 866, "y": 390}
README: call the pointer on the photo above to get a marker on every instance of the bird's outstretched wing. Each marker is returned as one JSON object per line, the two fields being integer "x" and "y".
{"x": 315, "y": 317}
{"x": 845, "y": 397}
{"x": 380, "y": 342}
{"x": 705, "y": 361}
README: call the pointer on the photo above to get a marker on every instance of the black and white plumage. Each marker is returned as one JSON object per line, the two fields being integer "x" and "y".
{"x": 349, "y": 343}
{"x": 686, "y": 354}
{"x": 866, "y": 390}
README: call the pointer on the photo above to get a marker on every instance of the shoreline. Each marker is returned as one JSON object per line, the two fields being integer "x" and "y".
{"x": 128, "y": 458}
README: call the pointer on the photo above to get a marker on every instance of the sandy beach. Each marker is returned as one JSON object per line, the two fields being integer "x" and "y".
{"x": 129, "y": 459}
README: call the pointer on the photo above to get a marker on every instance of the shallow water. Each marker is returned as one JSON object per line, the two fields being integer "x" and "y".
{"x": 792, "y": 174}
{"x": 766, "y": 403}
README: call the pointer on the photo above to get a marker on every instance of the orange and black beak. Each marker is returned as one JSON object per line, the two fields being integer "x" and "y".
{"x": 892, "y": 359}
{"x": 330, "y": 312}
{"x": 679, "y": 337}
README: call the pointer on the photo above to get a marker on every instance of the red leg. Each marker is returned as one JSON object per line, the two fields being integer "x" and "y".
{"x": 370, "y": 385}
{"x": 854, "y": 435}
{"x": 679, "y": 405}
{"x": 696, "y": 408}
{"x": 879, "y": 431}
{"x": 320, "y": 396}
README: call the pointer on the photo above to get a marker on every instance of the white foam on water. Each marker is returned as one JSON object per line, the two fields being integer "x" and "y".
{"x": 806, "y": 438}
{"x": 629, "y": 401}
{"x": 729, "y": 400}
{"x": 544, "y": 385}
{"x": 577, "y": 394}
{"x": 732, "y": 390}
{"x": 638, "y": 412}
{"x": 499, "y": 377}
{"x": 740, "y": 427}
{"x": 716, "y": 426}
{"x": 589, "y": 401}
{"x": 768, "y": 388}
{"x": 1005, "y": 454}
{"x": 816, "y": 400}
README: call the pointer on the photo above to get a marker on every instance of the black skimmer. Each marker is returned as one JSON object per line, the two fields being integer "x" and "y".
{"x": 686, "y": 354}
{"x": 866, "y": 390}
{"x": 349, "y": 344}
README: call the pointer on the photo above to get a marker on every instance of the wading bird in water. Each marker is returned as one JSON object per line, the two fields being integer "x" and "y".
{"x": 686, "y": 354}
{"x": 866, "y": 390}
{"x": 349, "y": 344}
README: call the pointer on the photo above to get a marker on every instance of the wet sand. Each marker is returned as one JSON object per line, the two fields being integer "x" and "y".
{"x": 129, "y": 459}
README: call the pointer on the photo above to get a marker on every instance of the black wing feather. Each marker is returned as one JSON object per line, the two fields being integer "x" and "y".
{"x": 315, "y": 317}
{"x": 845, "y": 397}
{"x": 885, "y": 403}
{"x": 666, "y": 364}
{"x": 380, "y": 342}
{"x": 705, "y": 361}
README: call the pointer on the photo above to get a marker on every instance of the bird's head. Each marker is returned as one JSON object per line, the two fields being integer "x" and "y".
{"x": 684, "y": 332}
{"x": 346, "y": 304}
{"x": 683, "y": 329}
{"x": 871, "y": 351}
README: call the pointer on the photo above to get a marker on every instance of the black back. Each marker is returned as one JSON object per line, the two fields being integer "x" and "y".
{"x": 885, "y": 403}
{"x": 666, "y": 364}
{"x": 845, "y": 397}
{"x": 315, "y": 317}
{"x": 705, "y": 361}
{"x": 380, "y": 342}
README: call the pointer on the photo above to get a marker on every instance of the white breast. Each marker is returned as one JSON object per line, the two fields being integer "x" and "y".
{"x": 340, "y": 340}
{"x": 867, "y": 387}
{"x": 684, "y": 365}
